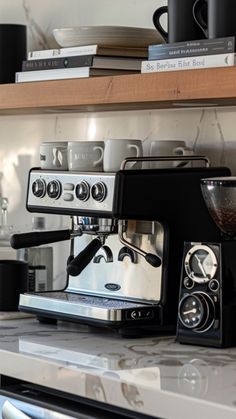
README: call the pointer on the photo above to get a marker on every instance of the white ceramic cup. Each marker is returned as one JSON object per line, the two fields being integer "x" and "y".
{"x": 85, "y": 156}
{"x": 169, "y": 148}
{"x": 116, "y": 150}
{"x": 53, "y": 155}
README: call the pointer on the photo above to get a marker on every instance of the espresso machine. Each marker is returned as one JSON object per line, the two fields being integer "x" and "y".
{"x": 127, "y": 234}
{"x": 207, "y": 307}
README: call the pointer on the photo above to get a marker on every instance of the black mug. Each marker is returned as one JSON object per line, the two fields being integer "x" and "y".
{"x": 13, "y": 50}
{"x": 13, "y": 282}
{"x": 221, "y": 17}
{"x": 180, "y": 23}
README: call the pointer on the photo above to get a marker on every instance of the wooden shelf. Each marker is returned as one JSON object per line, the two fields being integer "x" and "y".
{"x": 207, "y": 87}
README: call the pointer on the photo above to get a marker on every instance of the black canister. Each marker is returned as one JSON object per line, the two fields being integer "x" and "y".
{"x": 13, "y": 50}
{"x": 13, "y": 282}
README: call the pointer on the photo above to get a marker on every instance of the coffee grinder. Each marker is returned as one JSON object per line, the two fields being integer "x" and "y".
{"x": 127, "y": 235}
{"x": 207, "y": 302}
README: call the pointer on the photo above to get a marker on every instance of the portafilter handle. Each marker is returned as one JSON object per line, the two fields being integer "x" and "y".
{"x": 77, "y": 265}
{"x": 36, "y": 238}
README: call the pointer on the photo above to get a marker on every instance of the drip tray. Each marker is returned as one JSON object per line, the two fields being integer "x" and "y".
{"x": 85, "y": 306}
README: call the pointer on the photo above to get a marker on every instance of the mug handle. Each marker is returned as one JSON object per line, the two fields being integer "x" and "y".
{"x": 198, "y": 9}
{"x": 138, "y": 153}
{"x": 96, "y": 163}
{"x": 182, "y": 151}
{"x": 156, "y": 21}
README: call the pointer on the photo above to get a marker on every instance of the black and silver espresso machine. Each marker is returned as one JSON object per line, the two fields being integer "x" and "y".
{"x": 127, "y": 235}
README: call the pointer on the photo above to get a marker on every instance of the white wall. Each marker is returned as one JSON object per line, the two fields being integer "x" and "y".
{"x": 208, "y": 131}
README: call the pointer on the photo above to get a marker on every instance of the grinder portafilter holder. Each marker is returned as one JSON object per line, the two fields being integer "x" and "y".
{"x": 219, "y": 194}
{"x": 152, "y": 259}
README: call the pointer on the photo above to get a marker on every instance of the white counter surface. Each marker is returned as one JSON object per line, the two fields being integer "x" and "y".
{"x": 155, "y": 376}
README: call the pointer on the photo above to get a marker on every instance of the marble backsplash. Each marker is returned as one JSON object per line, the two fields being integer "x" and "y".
{"x": 209, "y": 131}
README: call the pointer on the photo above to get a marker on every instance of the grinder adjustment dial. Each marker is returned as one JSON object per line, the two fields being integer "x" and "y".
{"x": 201, "y": 263}
{"x": 197, "y": 311}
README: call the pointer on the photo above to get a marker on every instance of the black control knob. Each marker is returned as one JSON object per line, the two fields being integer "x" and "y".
{"x": 99, "y": 191}
{"x": 39, "y": 188}
{"x": 54, "y": 189}
{"x": 214, "y": 285}
{"x": 188, "y": 283}
{"x": 82, "y": 191}
{"x": 196, "y": 311}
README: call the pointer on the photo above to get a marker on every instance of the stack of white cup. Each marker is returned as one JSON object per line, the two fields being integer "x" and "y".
{"x": 90, "y": 156}
{"x": 107, "y": 156}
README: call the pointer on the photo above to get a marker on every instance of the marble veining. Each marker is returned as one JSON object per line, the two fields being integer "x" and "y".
{"x": 36, "y": 32}
{"x": 151, "y": 375}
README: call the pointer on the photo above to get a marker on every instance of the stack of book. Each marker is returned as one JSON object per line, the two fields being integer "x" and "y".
{"x": 203, "y": 53}
{"x": 81, "y": 61}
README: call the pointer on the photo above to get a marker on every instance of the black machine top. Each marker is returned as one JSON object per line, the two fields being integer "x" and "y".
{"x": 171, "y": 196}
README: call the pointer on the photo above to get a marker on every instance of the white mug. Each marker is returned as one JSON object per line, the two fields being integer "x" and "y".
{"x": 85, "y": 156}
{"x": 116, "y": 150}
{"x": 169, "y": 148}
{"x": 53, "y": 155}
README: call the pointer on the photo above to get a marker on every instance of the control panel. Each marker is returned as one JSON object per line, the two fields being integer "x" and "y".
{"x": 70, "y": 192}
{"x": 200, "y": 288}
{"x": 207, "y": 300}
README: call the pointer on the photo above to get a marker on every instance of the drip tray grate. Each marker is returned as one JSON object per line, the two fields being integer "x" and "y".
{"x": 86, "y": 300}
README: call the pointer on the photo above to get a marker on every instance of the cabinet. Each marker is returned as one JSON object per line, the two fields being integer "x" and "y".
{"x": 205, "y": 87}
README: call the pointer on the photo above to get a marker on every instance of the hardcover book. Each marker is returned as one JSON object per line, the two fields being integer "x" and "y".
{"x": 93, "y": 61}
{"x": 188, "y": 63}
{"x": 89, "y": 50}
{"x": 192, "y": 48}
{"x": 66, "y": 73}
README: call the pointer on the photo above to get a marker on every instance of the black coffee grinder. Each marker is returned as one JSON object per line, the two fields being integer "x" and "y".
{"x": 207, "y": 302}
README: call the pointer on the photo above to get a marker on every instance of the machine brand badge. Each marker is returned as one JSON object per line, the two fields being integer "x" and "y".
{"x": 112, "y": 287}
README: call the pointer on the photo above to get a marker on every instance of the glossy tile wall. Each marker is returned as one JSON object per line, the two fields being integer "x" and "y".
{"x": 210, "y": 131}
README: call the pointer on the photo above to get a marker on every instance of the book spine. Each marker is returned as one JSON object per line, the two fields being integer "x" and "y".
{"x": 192, "y": 48}
{"x": 57, "y": 63}
{"x": 189, "y": 63}
{"x": 27, "y": 76}
{"x": 62, "y": 52}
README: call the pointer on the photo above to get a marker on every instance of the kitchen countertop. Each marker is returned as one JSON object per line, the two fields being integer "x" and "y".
{"x": 153, "y": 375}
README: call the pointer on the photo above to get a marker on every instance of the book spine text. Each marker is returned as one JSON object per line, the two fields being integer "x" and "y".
{"x": 57, "y": 62}
{"x": 188, "y": 63}
{"x": 63, "y": 52}
{"x": 192, "y": 48}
